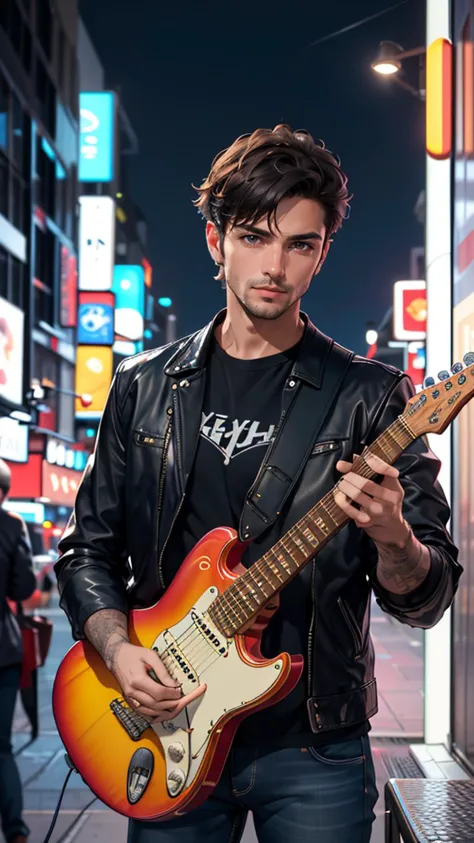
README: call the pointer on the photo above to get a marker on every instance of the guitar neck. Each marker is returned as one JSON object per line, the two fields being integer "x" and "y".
{"x": 248, "y": 594}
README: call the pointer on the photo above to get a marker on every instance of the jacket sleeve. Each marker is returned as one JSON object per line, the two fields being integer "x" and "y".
{"x": 21, "y": 578}
{"x": 426, "y": 510}
{"x": 92, "y": 567}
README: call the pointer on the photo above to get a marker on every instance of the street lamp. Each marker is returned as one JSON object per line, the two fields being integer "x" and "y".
{"x": 388, "y": 62}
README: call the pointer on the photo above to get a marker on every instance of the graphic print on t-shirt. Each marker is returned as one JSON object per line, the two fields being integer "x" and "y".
{"x": 233, "y": 437}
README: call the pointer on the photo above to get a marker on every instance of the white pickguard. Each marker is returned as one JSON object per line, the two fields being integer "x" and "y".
{"x": 230, "y": 684}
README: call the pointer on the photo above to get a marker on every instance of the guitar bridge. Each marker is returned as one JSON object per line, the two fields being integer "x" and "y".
{"x": 133, "y": 723}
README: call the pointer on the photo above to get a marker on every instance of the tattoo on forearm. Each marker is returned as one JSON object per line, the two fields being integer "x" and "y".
{"x": 107, "y": 631}
{"x": 401, "y": 569}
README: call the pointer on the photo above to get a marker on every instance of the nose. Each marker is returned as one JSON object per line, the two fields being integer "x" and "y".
{"x": 274, "y": 265}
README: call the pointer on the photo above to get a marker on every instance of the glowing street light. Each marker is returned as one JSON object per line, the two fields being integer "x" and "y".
{"x": 388, "y": 62}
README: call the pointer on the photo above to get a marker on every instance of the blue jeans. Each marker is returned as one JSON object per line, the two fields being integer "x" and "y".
{"x": 11, "y": 799}
{"x": 323, "y": 795}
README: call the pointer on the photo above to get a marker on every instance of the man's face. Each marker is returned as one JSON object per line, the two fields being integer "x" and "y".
{"x": 269, "y": 271}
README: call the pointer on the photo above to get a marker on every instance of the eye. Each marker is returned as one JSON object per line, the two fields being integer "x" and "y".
{"x": 251, "y": 239}
{"x": 302, "y": 246}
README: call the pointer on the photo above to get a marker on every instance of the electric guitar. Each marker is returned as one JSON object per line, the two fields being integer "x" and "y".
{"x": 207, "y": 627}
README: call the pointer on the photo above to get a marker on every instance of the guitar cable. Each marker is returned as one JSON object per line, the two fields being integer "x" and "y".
{"x": 72, "y": 769}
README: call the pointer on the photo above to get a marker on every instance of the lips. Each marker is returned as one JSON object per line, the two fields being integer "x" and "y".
{"x": 270, "y": 291}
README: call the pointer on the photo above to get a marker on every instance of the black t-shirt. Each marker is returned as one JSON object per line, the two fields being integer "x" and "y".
{"x": 242, "y": 406}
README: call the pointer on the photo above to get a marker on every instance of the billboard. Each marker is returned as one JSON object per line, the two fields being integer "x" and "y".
{"x": 11, "y": 352}
{"x": 409, "y": 310}
{"x": 129, "y": 289}
{"x": 59, "y": 485}
{"x": 96, "y": 145}
{"x": 93, "y": 376}
{"x": 96, "y": 242}
{"x": 13, "y": 440}
{"x": 68, "y": 301}
{"x": 96, "y": 319}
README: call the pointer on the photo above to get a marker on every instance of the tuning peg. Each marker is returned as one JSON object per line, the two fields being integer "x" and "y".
{"x": 429, "y": 382}
{"x": 443, "y": 375}
{"x": 456, "y": 368}
{"x": 468, "y": 358}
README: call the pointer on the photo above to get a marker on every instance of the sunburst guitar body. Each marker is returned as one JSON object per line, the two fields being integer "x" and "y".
{"x": 159, "y": 771}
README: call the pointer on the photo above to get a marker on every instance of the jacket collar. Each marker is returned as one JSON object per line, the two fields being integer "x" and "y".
{"x": 191, "y": 355}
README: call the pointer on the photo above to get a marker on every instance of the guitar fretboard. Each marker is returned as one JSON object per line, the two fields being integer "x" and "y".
{"x": 244, "y": 598}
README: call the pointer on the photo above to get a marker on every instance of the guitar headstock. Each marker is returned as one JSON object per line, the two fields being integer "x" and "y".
{"x": 435, "y": 407}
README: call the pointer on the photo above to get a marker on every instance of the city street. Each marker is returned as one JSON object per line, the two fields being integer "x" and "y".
{"x": 43, "y": 768}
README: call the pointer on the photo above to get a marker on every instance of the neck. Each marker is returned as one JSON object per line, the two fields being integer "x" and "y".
{"x": 248, "y": 337}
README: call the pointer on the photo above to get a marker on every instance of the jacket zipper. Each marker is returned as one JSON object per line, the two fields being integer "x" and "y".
{"x": 166, "y": 442}
{"x": 353, "y": 628}
{"x": 160, "y": 570}
{"x": 310, "y": 639}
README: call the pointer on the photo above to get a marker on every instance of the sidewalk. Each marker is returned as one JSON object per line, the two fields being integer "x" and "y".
{"x": 399, "y": 672}
{"x": 399, "y": 669}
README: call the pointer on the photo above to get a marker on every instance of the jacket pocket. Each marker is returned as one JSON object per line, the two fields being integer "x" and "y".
{"x": 150, "y": 440}
{"x": 352, "y": 626}
{"x": 326, "y": 447}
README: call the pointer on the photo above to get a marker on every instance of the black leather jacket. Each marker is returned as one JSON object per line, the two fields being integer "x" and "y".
{"x": 134, "y": 484}
{"x": 17, "y": 582}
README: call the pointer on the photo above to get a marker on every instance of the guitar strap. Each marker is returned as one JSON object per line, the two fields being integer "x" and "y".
{"x": 293, "y": 443}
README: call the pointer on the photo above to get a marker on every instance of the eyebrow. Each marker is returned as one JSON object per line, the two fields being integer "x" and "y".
{"x": 261, "y": 232}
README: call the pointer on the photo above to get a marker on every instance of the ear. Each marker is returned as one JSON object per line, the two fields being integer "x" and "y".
{"x": 214, "y": 243}
{"x": 323, "y": 257}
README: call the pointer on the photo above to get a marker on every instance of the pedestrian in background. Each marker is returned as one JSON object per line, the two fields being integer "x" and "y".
{"x": 17, "y": 582}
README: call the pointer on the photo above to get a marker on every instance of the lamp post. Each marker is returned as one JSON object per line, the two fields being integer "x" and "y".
{"x": 388, "y": 62}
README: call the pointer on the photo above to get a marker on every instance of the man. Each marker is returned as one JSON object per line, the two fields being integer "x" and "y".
{"x": 181, "y": 443}
{"x": 17, "y": 582}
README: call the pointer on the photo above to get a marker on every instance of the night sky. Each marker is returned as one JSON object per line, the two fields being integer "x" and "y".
{"x": 195, "y": 75}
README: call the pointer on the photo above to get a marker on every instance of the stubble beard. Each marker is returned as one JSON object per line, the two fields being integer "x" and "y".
{"x": 261, "y": 310}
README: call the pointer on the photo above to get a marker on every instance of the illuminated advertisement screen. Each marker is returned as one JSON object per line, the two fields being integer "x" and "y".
{"x": 129, "y": 289}
{"x": 68, "y": 303}
{"x": 96, "y": 242}
{"x": 96, "y": 319}
{"x": 93, "y": 377}
{"x": 11, "y": 352}
{"x": 96, "y": 145}
{"x": 409, "y": 310}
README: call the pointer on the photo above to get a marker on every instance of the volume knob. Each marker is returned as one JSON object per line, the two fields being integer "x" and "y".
{"x": 175, "y": 781}
{"x": 176, "y": 751}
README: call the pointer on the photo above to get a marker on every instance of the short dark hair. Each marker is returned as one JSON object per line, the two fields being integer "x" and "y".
{"x": 5, "y": 477}
{"x": 249, "y": 179}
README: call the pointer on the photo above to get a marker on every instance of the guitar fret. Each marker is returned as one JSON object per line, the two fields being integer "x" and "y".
{"x": 273, "y": 567}
{"x": 311, "y": 537}
{"x": 227, "y": 608}
{"x": 285, "y": 547}
{"x": 326, "y": 510}
{"x": 258, "y": 584}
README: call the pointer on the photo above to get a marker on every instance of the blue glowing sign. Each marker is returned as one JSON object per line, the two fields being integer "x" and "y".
{"x": 96, "y": 146}
{"x": 129, "y": 289}
{"x": 95, "y": 325}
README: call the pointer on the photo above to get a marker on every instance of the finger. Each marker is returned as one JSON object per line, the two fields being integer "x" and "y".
{"x": 184, "y": 701}
{"x": 380, "y": 466}
{"x": 139, "y": 698}
{"x": 155, "y": 690}
{"x": 359, "y": 496}
{"x": 352, "y": 483}
{"x": 344, "y": 504}
{"x": 156, "y": 666}
{"x": 388, "y": 491}
{"x": 342, "y": 466}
